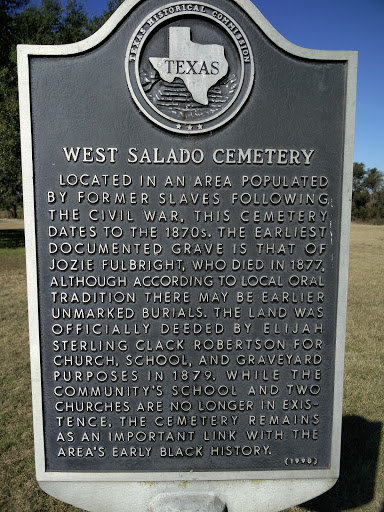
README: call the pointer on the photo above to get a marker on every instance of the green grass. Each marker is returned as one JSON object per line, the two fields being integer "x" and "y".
{"x": 361, "y": 485}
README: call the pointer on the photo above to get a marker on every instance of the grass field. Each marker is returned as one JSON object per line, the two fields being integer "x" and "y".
{"x": 361, "y": 485}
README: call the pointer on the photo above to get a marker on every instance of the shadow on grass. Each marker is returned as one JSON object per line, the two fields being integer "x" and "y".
{"x": 360, "y": 444}
{"x": 11, "y": 238}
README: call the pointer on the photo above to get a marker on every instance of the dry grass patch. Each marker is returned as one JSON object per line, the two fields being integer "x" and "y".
{"x": 11, "y": 224}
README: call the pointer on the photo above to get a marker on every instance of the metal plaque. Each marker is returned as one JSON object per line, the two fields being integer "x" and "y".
{"x": 187, "y": 179}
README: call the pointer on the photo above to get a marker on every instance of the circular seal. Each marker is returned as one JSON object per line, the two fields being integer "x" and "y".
{"x": 189, "y": 67}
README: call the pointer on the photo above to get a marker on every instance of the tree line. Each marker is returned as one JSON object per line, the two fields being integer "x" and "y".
{"x": 25, "y": 22}
{"x": 51, "y": 22}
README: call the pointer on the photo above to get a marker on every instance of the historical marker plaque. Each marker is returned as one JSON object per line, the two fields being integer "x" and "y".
{"x": 187, "y": 180}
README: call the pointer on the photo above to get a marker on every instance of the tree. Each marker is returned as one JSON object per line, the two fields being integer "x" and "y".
{"x": 373, "y": 181}
{"x": 47, "y": 23}
{"x": 374, "y": 184}
{"x": 96, "y": 22}
{"x": 10, "y": 170}
{"x": 10, "y": 175}
{"x": 21, "y": 23}
{"x": 8, "y": 9}
{"x": 360, "y": 196}
{"x": 367, "y": 193}
{"x": 358, "y": 175}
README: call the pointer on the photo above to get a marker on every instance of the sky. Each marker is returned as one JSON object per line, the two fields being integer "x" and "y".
{"x": 337, "y": 25}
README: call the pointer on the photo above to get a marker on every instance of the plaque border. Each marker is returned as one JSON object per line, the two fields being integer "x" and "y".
{"x": 49, "y": 479}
